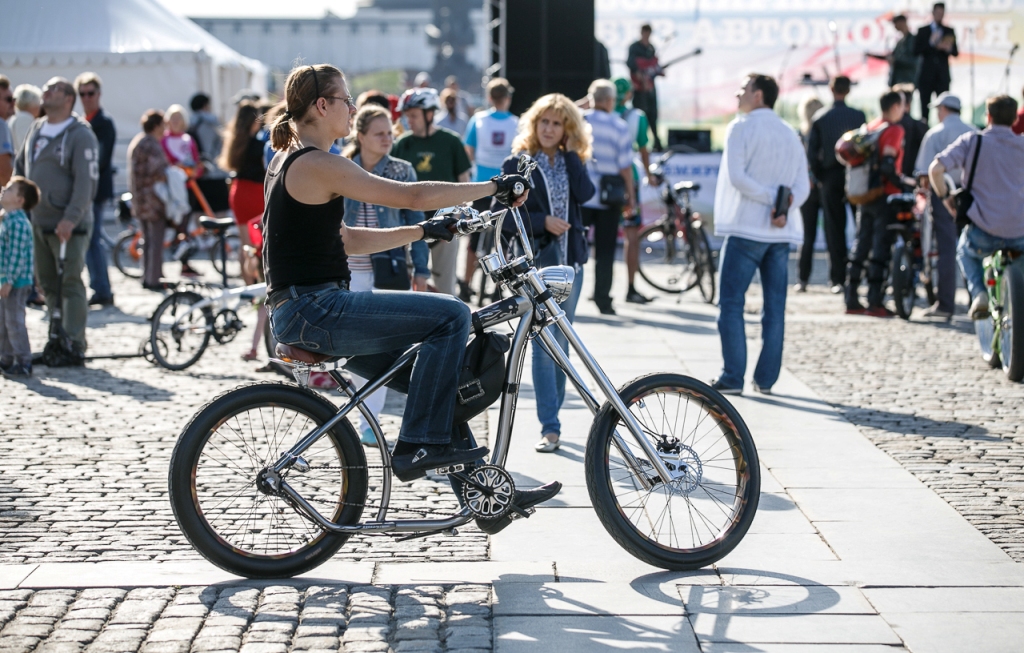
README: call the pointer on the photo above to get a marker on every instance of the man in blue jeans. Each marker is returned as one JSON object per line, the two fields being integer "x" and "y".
{"x": 998, "y": 190}
{"x": 762, "y": 154}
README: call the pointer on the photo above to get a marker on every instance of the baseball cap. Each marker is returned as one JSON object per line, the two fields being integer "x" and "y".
{"x": 947, "y": 100}
{"x": 622, "y": 87}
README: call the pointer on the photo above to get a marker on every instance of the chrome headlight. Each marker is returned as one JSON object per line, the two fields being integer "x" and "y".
{"x": 559, "y": 279}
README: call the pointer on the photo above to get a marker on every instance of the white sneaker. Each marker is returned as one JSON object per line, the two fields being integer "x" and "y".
{"x": 935, "y": 311}
{"x": 979, "y": 307}
{"x": 547, "y": 446}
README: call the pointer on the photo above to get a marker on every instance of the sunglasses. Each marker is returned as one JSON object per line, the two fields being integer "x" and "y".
{"x": 9, "y": 98}
{"x": 87, "y": 93}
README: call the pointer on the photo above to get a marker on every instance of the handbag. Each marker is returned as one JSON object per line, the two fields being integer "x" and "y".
{"x": 547, "y": 251}
{"x": 963, "y": 200}
{"x": 390, "y": 270}
{"x": 612, "y": 189}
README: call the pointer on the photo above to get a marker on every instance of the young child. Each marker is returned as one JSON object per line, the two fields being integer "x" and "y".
{"x": 17, "y": 197}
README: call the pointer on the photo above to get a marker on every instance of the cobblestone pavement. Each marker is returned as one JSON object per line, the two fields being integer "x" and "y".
{"x": 248, "y": 619}
{"x": 84, "y": 453}
{"x": 920, "y": 391}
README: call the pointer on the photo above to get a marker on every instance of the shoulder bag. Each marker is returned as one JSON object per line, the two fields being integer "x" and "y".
{"x": 963, "y": 200}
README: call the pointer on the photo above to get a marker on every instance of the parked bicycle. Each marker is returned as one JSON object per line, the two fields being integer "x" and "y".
{"x": 184, "y": 322}
{"x": 127, "y": 249}
{"x": 1002, "y": 345}
{"x": 270, "y": 480}
{"x": 675, "y": 252}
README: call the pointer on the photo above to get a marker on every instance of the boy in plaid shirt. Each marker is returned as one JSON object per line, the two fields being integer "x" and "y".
{"x": 17, "y": 197}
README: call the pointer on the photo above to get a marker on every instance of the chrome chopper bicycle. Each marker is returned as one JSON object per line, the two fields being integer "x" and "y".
{"x": 270, "y": 480}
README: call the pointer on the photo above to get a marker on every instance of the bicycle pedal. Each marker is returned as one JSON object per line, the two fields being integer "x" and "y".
{"x": 452, "y": 469}
{"x": 520, "y": 513}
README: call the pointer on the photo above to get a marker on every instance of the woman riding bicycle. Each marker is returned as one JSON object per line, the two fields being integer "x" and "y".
{"x": 306, "y": 245}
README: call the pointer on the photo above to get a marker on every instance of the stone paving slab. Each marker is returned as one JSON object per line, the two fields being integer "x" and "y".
{"x": 85, "y": 451}
{"x": 252, "y": 619}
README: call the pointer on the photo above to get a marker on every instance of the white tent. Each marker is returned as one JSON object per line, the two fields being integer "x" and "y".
{"x": 147, "y": 57}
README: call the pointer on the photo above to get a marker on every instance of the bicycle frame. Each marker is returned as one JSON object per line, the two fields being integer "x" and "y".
{"x": 227, "y": 298}
{"x": 538, "y": 312}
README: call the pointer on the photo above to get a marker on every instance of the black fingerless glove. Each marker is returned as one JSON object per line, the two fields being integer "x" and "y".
{"x": 437, "y": 228}
{"x": 507, "y": 186}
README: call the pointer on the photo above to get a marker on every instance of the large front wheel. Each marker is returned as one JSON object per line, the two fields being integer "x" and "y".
{"x": 697, "y": 517}
{"x": 220, "y": 497}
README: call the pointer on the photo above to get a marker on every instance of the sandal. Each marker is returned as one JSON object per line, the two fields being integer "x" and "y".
{"x": 547, "y": 446}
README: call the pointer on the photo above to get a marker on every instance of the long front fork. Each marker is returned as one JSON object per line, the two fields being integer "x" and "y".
{"x": 557, "y": 315}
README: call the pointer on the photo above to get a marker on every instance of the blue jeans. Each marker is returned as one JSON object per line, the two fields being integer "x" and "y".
{"x": 374, "y": 329}
{"x": 96, "y": 255}
{"x": 548, "y": 379}
{"x": 739, "y": 260}
{"x": 972, "y": 249}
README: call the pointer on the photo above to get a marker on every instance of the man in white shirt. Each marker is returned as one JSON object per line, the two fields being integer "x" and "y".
{"x": 762, "y": 154}
{"x": 937, "y": 139}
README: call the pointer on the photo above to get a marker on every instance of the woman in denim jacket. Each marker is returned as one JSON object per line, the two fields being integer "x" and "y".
{"x": 370, "y": 149}
{"x": 554, "y": 133}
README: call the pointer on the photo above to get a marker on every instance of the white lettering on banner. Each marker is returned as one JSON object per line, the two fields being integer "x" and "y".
{"x": 690, "y": 7}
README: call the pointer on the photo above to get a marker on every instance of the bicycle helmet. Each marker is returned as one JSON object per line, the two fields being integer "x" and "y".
{"x": 419, "y": 98}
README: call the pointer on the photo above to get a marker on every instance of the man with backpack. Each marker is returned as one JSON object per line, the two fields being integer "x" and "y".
{"x": 874, "y": 240}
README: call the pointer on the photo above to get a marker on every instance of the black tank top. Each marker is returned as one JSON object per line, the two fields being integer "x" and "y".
{"x": 301, "y": 242}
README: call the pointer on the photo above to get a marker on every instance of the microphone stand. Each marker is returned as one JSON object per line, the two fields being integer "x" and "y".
{"x": 970, "y": 35}
{"x": 835, "y": 45}
{"x": 1009, "y": 62}
{"x": 785, "y": 61}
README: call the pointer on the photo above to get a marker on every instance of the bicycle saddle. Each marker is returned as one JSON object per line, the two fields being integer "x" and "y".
{"x": 216, "y": 224}
{"x": 687, "y": 185}
{"x": 290, "y": 353}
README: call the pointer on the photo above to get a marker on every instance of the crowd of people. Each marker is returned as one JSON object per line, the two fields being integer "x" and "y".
{"x": 846, "y": 160}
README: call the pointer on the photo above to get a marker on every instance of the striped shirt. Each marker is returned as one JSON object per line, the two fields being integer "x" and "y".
{"x": 367, "y": 218}
{"x": 16, "y": 250}
{"x": 612, "y": 149}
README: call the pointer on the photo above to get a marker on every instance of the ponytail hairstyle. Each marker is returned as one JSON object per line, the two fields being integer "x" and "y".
{"x": 304, "y": 86}
{"x": 364, "y": 119}
{"x": 238, "y": 134}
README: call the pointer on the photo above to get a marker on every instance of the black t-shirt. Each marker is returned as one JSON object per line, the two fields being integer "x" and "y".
{"x": 302, "y": 243}
{"x": 252, "y": 163}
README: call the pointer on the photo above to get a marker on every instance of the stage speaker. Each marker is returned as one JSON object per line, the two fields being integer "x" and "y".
{"x": 549, "y": 48}
{"x": 689, "y": 140}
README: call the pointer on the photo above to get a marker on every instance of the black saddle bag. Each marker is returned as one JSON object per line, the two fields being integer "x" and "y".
{"x": 482, "y": 375}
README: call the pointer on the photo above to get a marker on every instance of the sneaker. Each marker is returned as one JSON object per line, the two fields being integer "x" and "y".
{"x": 548, "y": 446}
{"x": 522, "y": 503}
{"x": 855, "y": 309}
{"x": 801, "y": 286}
{"x": 725, "y": 390}
{"x": 188, "y": 271}
{"x": 757, "y": 388}
{"x": 936, "y": 312}
{"x": 17, "y": 371}
{"x": 633, "y": 297}
{"x": 415, "y": 464}
{"x": 878, "y": 311}
{"x": 837, "y": 289}
{"x": 367, "y": 437}
{"x": 979, "y": 307}
{"x": 606, "y": 310}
